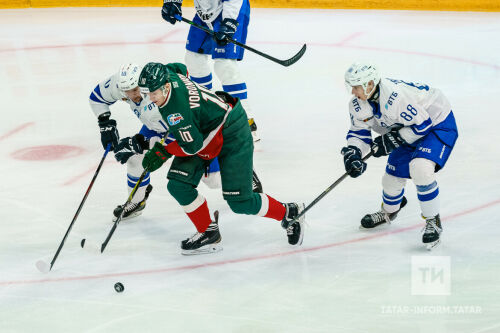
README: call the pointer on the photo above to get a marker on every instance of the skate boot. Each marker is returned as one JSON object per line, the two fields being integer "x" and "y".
{"x": 294, "y": 231}
{"x": 202, "y": 243}
{"x": 253, "y": 129}
{"x": 256, "y": 184}
{"x": 432, "y": 231}
{"x": 373, "y": 220}
{"x": 132, "y": 209}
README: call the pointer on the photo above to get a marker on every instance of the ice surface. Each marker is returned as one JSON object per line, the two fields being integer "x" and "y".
{"x": 341, "y": 279}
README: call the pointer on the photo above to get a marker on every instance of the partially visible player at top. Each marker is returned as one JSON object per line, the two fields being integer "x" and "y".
{"x": 418, "y": 132}
{"x": 130, "y": 150}
{"x": 229, "y": 19}
{"x": 207, "y": 125}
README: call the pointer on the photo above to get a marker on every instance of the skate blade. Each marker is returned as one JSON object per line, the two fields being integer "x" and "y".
{"x": 380, "y": 226}
{"x": 430, "y": 246}
{"x": 131, "y": 216}
{"x": 255, "y": 136}
{"x": 207, "y": 249}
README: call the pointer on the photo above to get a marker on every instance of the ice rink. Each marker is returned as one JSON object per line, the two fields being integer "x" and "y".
{"x": 341, "y": 279}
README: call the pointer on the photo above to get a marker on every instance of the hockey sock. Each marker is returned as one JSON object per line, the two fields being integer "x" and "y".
{"x": 422, "y": 173}
{"x": 428, "y": 195}
{"x": 205, "y": 81}
{"x": 392, "y": 194}
{"x": 271, "y": 208}
{"x": 198, "y": 213}
{"x": 141, "y": 191}
{"x": 391, "y": 203}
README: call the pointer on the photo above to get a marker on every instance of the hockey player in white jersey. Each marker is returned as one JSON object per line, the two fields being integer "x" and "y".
{"x": 229, "y": 19}
{"x": 130, "y": 150}
{"x": 418, "y": 132}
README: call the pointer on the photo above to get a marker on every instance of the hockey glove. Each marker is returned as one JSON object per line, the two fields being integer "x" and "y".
{"x": 170, "y": 9}
{"x": 226, "y": 30}
{"x": 127, "y": 147}
{"x": 109, "y": 133}
{"x": 354, "y": 166}
{"x": 383, "y": 145}
{"x": 155, "y": 158}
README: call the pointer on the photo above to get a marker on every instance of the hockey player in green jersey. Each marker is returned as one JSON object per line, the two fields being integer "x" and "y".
{"x": 208, "y": 125}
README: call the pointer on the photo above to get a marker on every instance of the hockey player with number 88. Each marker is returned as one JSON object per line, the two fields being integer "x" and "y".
{"x": 418, "y": 132}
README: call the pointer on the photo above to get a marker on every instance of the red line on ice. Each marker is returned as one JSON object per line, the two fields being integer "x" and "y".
{"x": 83, "y": 174}
{"x": 247, "y": 259}
{"x": 15, "y": 130}
{"x": 342, "y": 44}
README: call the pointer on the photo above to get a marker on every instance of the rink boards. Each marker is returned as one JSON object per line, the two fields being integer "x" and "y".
{"x": 444, "y": 5}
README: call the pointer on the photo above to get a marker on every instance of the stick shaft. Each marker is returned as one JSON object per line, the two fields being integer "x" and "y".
{"x": 129, "y": 199}
{"x": 287, "y": 62}
{"x": 81, "y": 206}
{"x": 329, "y": 188}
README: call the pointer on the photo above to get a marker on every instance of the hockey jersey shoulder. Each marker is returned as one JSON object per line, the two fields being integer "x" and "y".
{"x": 177, "y": 68}
{"x": 389, "y": 96}
{"x": 360, "y": 110}
{"x": 105, "y": 94}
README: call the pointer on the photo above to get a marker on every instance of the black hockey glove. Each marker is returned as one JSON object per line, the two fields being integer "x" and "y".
{"x": 383, "y": 145}
{"x": 109, "y": 133}
{"x": 127, "y": 147}
{"x": 170, "y": 9}
{"x": 354, "y": 166}
{"x": 226, "y": 30}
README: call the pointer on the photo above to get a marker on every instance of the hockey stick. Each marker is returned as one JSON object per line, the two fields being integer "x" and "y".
{"x": 129, "y": 199}
{"x": 40, "y": 264}
{"x": 285, "y": 63}
{"x": 325, "y": 192}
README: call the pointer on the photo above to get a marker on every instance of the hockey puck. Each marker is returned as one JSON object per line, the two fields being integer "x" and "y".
{"x": 119, "y": 287}
{"x": 42, "y": 266}
{"x": 82, "y": 243}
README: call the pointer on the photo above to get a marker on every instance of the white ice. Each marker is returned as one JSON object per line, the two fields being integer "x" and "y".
{"x": 341, "y": 279}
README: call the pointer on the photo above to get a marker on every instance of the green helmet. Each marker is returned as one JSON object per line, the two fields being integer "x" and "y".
{"x": 153, "y": 76}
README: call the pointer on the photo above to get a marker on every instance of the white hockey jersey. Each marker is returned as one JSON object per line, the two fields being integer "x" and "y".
{"x": 415, "y": 107}
{"x": 107, "y": 93}
{"x": 208, "y": 10}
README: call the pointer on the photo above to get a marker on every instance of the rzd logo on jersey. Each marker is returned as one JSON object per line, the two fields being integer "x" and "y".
{"x": 174, "y": 119}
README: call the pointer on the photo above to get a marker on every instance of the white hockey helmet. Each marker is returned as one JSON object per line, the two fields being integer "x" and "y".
{"x": 359, "y": 74}
{"x": 128, "y": 76}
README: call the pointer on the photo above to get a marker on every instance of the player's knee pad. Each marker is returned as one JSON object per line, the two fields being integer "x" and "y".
{"x": 184, "y": 193}
{"x": 422, "y": 171}
{"x": 134, "y": 165}
{"x": 227, "y": 71}
{"x": 249, "y": 207}
{"x": 197, "y": 64}
{"x": 392, "y": 185}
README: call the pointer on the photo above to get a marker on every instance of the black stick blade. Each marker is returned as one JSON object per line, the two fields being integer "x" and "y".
{"x": 295, "y": 58}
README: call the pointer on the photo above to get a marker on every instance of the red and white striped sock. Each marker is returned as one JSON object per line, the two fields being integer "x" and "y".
{"x": 198, "y": 213}
{"x": 271, "y": 208}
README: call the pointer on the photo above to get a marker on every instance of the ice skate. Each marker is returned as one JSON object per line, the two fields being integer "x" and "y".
{"x": 256, "y": 184}
{"x": 253, "y": 129}
{"x": 432, "y": 232}
{"x": 132, "y": 209}
{"x": 373, "y": 220}
{"x": 202, "y": 243}
{"x": 294, "y": 231}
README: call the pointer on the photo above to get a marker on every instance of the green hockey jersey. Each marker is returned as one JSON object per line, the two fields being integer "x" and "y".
{"x": 195, "y": 116}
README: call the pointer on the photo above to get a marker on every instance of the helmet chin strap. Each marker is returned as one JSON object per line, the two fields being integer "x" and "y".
{"x": 374, "y": 94}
